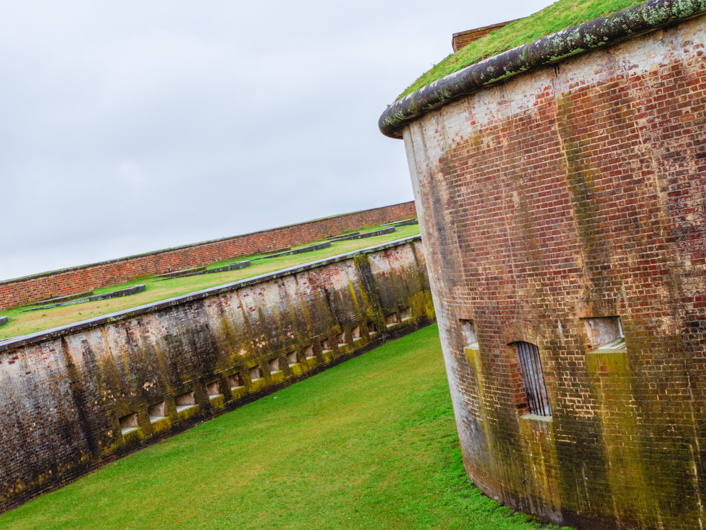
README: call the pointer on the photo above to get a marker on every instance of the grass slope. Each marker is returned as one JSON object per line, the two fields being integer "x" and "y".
{"x": 556, "y": 17}
{"x": 157, "y": 289}
{"x": 368, "y": 444}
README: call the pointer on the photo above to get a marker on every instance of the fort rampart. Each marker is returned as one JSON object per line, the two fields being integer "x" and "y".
{"x": 75, "y": 397}
{"x": 21, "y": 291}
{"x": 564, "y": 217}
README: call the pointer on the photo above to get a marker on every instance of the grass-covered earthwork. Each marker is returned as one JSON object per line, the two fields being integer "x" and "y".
{"x": 368, "y": 444}
{"x": 556, "y": 17}
{"x": 22, "y": 323}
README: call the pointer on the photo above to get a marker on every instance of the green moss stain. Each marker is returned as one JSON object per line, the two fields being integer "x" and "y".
{"x": 610, "y": 375}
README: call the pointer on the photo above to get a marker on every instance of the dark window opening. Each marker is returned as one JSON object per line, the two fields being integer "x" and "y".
{"x": 533, "y": 379}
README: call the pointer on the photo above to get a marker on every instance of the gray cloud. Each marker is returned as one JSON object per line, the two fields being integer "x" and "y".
{"x": 130, "y": 126}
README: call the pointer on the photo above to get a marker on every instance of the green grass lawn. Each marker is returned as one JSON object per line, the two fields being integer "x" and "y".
{"x": 368, "y": 444}
{"x": 556, "y": 17}
{"x": 159, "y": 289}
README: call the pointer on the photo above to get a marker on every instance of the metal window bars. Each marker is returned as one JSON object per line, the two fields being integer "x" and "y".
{"x": 533, "y": 378}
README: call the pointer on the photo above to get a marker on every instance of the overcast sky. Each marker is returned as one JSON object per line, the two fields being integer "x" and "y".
{"x": 132, "y": 126}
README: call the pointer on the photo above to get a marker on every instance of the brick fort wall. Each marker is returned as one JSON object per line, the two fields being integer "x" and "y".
{"x": 77, "y": 397}
{"x": 22, "y": 291}
{"x": 564, "y": 198}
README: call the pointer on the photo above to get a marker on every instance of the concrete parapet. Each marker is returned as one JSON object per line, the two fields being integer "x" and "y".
{"x": 232, "y": 267}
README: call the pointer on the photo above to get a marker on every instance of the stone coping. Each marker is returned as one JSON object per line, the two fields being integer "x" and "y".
{"x": 597, "y": 33}
{"x": 50, "y": 334}
{"x": 128, "y": 291}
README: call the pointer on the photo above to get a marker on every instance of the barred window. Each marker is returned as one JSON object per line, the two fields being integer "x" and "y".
{"x": 533, "y": 378}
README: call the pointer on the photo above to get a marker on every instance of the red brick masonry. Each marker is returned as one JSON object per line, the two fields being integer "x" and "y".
{"x": 567, "y": 196}
{"x": 21, "y": 291}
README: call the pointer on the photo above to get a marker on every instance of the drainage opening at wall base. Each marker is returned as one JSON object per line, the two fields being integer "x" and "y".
{"x": 235, "y": 381}
{"x": 213, "y": 390}
{"x": 275, "y": 366}
{"x": 185, "y": 401}
{"x": 392, "y": 320}
{"x": 129, "y": 423}
{"x": 255, "y": 373}
{"x": 157, "y": 412}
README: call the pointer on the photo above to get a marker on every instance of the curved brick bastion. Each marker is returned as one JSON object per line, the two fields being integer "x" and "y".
{"x": 564, "y": 218}
{"x": 75, "y": 397}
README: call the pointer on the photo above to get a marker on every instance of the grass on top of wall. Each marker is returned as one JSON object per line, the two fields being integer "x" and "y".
{"x": 158, "y": 289}
{"x": 556, "y": 17}
{"x": 370, "y": 444}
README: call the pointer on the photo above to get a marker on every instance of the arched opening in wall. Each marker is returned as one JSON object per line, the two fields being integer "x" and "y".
{"x": 129, "y": 423}
{"x": 185, "y": 401}
{"x": 235, "y": 381}
{"x": 372, "y": 328}
{"x": 157, "y": 412}
{"x": 533, "y": 378}
{"x": 213, "y": 389}
{"x": 405, "y": 313}
{"x": 355, "y": 333}
{"x": 255, "y": 373}
{"x": 292, "y": 358}
{"x": 325, "y": 346}
{"x": 341, "y": 339}
{"x": 309, "y": 352}
{"x": 275, "y": 366}
{"x": 392, "y": 320}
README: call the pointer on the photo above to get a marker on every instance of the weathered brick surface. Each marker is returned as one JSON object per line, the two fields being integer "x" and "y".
{"x": 63, "y": 393}
{"x": 578, "y": 191}
{"x": 18, "y": 292}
